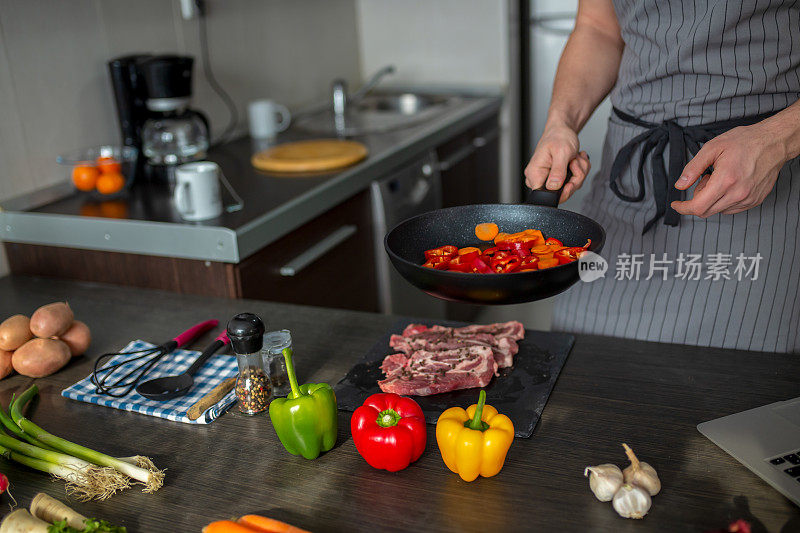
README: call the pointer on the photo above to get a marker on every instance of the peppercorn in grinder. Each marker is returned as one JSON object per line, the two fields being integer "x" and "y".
{"x": 253, "y": 387}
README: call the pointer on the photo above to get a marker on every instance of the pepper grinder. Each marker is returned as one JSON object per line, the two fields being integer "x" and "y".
{"x": 253, "y": 387}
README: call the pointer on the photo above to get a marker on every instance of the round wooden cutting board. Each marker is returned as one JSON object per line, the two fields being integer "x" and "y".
{"x": 309, "y": 156}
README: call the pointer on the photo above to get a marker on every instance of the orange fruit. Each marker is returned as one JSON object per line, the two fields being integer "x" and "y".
{"x": 85, "y": 177}
{"x": 108, "y": 165}
{"x": 110, "y": 183}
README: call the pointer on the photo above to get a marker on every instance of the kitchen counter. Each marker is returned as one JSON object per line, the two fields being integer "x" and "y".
{"x": 147, "y": 223}
{"x": 611, "y": 391}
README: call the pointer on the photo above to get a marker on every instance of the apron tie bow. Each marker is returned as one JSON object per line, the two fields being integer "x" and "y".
{"x": 682, "y": 141}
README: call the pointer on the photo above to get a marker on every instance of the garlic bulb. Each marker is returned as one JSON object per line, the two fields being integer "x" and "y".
{"x": 631, "y": 501}
{"x": 604, "y": 480}
{"x": 641, "y": 473}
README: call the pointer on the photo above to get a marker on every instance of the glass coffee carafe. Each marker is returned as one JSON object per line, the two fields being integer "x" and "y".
{"x": 175, "y": 137}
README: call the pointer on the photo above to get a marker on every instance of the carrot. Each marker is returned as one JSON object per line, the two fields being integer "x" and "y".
{"x": 547, "y": 263}
{"x": 486, "y": 231}
{"x": 468, "y": 249}
{"x": 268, "y": 525}
{"x": 542, "y": 249}
{"x": 227, "y": 526}
{"x": 501, "y": 237}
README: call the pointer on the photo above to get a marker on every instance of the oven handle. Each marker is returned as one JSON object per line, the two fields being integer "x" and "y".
{"x": 296, "y": 265}
{"x": 467, "y": 150}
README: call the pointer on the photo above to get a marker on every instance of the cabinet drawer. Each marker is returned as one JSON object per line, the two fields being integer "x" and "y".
{"x": 327, "y": 262}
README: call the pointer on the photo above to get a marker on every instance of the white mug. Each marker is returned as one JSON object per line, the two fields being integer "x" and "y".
{"x": 197, "y": 194}
{"x": 264, "y": 115}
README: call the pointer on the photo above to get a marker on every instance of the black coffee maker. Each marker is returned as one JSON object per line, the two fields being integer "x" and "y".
{"x": 152, "y": 95}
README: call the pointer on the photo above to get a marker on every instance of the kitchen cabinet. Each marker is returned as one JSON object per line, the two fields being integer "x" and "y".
{"x": 469, "y": 165}
{"x": 326, "y": 262}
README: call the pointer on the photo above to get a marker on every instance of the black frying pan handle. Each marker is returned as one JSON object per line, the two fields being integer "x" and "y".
{"x": 546, "y": 197}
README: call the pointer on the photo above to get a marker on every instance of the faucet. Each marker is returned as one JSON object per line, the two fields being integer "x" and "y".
{"x": 372, "y": 82}
{"x": 339, "y": 94}
{"x": 340, "y": 98}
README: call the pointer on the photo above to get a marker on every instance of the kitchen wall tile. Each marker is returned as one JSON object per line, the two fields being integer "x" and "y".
{"x": 452, "y": 42}
{"x": 137, "y": 27}
{"x": 13, "y": 156}
{"x": 56, "y": 62}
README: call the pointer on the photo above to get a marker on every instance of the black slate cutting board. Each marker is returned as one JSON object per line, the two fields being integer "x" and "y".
{"x": 519, "y": 392}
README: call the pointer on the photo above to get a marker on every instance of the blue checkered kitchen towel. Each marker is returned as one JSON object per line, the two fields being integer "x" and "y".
{"x": 217, "y": 369}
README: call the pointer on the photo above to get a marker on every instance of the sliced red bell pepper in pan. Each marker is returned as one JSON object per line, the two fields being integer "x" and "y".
{"x": 460, "y": 264}
{"x": 505, "y": 263}
{"x": 529, "y": 263}
{"x": 479, "y": 266}
{"x": 438, "y": 262}
{"x": 442, "y": 251}
{"x": 568, "y": 255}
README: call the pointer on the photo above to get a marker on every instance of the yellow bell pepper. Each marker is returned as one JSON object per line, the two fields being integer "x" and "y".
{"x": 474, "y": 441}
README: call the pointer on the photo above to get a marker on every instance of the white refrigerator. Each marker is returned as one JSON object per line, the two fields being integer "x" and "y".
{"x": 550, "y": 24}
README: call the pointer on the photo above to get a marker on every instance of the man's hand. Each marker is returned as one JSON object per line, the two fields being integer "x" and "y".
{"x": 558, "y": 149}
{"x": 745, "y": 160}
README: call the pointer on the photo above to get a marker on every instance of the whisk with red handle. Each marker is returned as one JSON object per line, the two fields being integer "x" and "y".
{"x": 123, "y": 385}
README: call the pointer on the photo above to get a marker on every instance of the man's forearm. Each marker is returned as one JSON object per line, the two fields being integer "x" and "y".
{"x": 785, "y": 126}
{"x": 586, "y": 73}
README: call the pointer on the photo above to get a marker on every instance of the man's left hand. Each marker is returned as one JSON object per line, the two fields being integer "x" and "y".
{"x": 745, "y": 160}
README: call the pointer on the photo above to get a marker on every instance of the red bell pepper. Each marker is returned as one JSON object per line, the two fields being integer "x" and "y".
{"x": 439, "y": 262}
{"x": 568, "y": 255}
{"x": 489, "y": 253}
{"x": 462, "y": 263}
{"x": 443, "y": 251}
{"x": 552, "y": 241}
{"x": 389, "y": 431}
{"x": 505, "y": 262}
{"x": 529, "y": 263}
{"x": 468, "y": 254}
{"x": 522, "y": 249}
{"x": 479, "y": 265}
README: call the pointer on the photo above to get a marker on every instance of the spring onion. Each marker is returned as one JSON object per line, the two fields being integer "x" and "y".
{"x": 13, "y": 428}
{"x": 152, "y": 478}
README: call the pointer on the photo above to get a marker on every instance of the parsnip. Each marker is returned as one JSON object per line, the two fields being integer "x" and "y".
{"x": 21, "y": 521}
{"x": 51, "y": 510}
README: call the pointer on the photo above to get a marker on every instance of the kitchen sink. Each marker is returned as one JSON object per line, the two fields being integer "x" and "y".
{"x": 376, "y": 113}
{"x": 407, "y": 104}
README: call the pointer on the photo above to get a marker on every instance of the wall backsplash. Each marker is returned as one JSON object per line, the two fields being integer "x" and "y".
{"x": 55, "y": 95}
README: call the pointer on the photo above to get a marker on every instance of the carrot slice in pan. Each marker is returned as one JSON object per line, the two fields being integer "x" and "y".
{"x": 486, "y": 231}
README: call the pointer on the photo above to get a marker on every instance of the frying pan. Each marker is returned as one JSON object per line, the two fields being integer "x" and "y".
{"x": 406, "y": 243}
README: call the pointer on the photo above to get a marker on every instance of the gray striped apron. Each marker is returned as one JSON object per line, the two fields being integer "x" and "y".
{"x": 685, "y": 64}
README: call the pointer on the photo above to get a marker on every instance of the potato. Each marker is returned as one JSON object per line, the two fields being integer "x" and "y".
{"x": 52, "y": 320}
{"x": 77, "y": 338}
{"x": 5, "y": 363}
{"x": 38, "y": 358}
{"x": 14, "y": 332}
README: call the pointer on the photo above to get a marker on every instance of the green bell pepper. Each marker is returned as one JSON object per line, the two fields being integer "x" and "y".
{"x": 306, "y": 420}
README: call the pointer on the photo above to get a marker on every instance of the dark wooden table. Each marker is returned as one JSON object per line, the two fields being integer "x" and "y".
{"x": 648, "y": 395}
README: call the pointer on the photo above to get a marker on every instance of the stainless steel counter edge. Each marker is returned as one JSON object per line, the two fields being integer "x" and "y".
{"x": 129, "y": 236}
{"x": 215, "y": 243}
